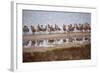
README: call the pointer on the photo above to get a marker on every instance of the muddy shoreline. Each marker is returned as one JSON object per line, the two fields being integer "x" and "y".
{"x": 73, "y": 53}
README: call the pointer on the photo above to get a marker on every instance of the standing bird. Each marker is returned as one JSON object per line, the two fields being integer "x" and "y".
{"x": 64, "y": 27}
{"x": 25, "y": 29}
{"x": 33, "y": 29}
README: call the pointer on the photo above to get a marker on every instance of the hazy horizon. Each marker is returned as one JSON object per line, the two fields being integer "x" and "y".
{"x": 35, "y": 17}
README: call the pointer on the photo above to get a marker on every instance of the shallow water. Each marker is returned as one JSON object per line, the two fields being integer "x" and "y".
{"x": 53, "y": 42}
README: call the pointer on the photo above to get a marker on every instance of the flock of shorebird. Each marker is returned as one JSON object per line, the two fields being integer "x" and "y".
{"x": 47, "y": 29}
{"x": 56, "y": 28}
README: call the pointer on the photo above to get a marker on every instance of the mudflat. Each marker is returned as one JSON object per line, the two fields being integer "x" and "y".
{"x": 72, "y": 53}
{"x": 55, "y": 35}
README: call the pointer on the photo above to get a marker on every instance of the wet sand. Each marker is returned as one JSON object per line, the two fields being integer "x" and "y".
{"x": 56, "y": 36}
